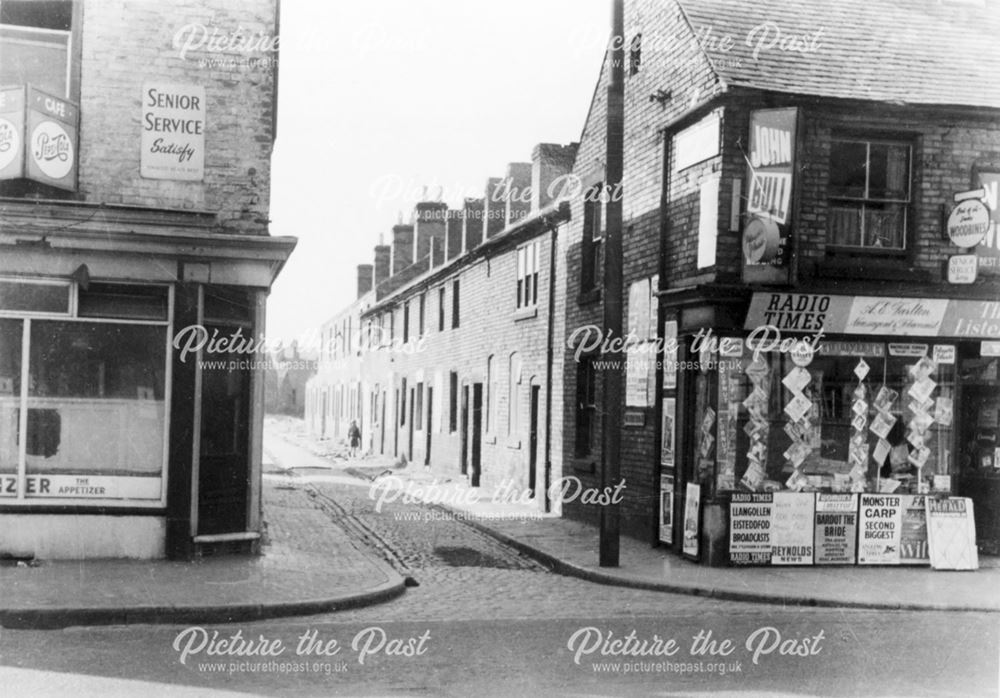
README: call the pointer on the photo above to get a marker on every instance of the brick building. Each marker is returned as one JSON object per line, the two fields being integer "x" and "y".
{"x": 135, "y": 229}
{"x": 802, "y": 171}
{"x": 457, "y": 341}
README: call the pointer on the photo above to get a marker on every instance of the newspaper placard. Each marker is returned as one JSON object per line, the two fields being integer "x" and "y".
{"x": 667, "y": 509}
{"x": 750, "y": 528}
{"x": 913, "y": 535}
{"x": 881, "y": 521}
{"x": 836, "y": 529}
{"x": 792, "y": 528}
{"x": 951, "y": 534}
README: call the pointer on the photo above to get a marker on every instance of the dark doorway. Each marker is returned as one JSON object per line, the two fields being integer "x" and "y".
{"x": 224, "y": 463}
{"x": 464, "y": 426}
{"x": 477, "y": 433}
{"x": 409, "y": 426}
{"x": 395, "y": 427}
{"x": 533, "y": 440}
{"x": 381, "y": 448}
{"x": 430, "y": 411}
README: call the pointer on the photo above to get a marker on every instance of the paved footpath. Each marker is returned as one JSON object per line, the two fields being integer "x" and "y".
{"x": 309, "y": 565}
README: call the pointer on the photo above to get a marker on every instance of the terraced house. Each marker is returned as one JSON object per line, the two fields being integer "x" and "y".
{"x": 133, "y": 209}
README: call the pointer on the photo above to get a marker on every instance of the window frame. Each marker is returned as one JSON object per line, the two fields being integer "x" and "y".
{"x": 593, "y": 238}
{"x": 20, "y": 500}
{"x": 863, "y": 202}
{"x": 586, "y": 412}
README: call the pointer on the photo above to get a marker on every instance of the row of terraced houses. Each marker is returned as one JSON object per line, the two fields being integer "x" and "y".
{"x": 797, "y": 172}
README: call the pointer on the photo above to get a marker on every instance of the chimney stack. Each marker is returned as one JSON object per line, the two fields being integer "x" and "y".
{"x": 383, "y": 262}
{"x": 453, "y": 235}
{"x": 472, "y": 223}
{"x": 549, "y": 161}
{"x": 430, "y": 221}
{"x": 495, "y": 208}
{"x": 402, "y": 247}
{"x": 365, "y": 278}
{"x": 517, "y": 192}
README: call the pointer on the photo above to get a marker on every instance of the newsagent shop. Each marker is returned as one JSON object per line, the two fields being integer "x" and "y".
{"x": 825, "y": 429}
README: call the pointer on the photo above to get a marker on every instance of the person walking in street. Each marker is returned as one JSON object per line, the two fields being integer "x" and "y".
{"x": 354, "y": 437}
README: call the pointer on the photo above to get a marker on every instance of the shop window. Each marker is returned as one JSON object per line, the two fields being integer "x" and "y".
{"x": 593, "y": 232}
{"x": 869, "y": 190}
{"x": 123, "y": 302}
{"x": 862, "y": 416}
{"x": 527, "y": 275}
{"x": 10, "y": 391}
{"x": 30, "y": 296}
{"x": 587, "y": 425}
{"x": 35, "y": 42}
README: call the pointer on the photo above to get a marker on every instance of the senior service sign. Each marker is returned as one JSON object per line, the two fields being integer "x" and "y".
{"x": 173, "y": 132}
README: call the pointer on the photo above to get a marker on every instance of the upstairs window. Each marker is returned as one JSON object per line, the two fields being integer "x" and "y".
{"x": 527, "y": 275}
{"x": 454, "y": 304}
{"x": 36, "y": 45}
{"x": 422, "y": 303}
{"x": 869, "y": 194}
{"x": 441, "y": 309}
{"x": 593, "y": 234}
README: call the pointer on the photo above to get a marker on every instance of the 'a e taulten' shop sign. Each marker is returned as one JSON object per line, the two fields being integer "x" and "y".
{"x": 173, "y": 132}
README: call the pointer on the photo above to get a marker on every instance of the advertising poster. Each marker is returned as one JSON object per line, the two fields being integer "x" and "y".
{"x": 750, "y": 528}
{"x": 692, "y": 519}
{"x": 670, "y": 355}
{"x": 881, "y": 529}
{"x": 667, "y": 509}
{"x": 836, "y": 529}
{"x": 951, "y": 534}
{"x": 792, "y": 528}
{"x": 913, "y": 536}
{"x": 667, "y": 432}
{"x": 173, "y": 132}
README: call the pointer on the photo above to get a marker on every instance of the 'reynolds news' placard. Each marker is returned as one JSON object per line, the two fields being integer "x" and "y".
{"x": 173, "y": 132}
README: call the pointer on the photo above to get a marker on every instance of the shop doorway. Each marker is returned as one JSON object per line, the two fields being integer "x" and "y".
{"x": 477, "y": 433}
{"x": 224, "y": 463}
{"x": 464, "y": 420}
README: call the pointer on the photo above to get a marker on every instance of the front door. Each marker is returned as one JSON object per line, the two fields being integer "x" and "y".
{"x": 409, "y": 427}
{"x": 464, "y": 418}
{"x": 430, "y": 410}
{"x": 477, "y": 433}
{"x": 533, "y": 440}
{"x": 224, "y": 465}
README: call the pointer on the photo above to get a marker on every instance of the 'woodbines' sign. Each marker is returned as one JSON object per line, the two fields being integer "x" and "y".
{"x": 771, "y": 168}
{"x": 173, "y": 132}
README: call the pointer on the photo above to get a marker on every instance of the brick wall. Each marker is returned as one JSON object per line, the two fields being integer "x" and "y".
{"x": 125, "y": 44}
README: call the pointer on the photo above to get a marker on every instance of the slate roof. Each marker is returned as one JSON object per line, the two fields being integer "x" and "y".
{"x": 900, "y": 51}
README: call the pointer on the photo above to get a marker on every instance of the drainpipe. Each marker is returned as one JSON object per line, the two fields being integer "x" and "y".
{"x": 549, "y": 362}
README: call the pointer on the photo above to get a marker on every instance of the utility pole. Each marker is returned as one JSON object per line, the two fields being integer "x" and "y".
{"x": 611, "y": 293}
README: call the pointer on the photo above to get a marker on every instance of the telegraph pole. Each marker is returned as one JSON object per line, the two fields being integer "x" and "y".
{"x": 611, "y": 292}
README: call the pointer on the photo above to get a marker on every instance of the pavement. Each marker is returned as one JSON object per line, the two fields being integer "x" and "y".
{"x": 309, "y": 565}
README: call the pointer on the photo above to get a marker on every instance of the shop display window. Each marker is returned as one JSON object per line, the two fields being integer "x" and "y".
{"x": 96, "y": 395}
{"x": 851, "y": 417}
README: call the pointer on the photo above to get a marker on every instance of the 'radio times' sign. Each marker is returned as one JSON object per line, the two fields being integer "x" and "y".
{"x": 173, "y": 132}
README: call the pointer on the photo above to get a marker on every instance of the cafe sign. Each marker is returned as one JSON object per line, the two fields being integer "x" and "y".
{"x": 39, "y": 137}
{"x": 173, "y": 132}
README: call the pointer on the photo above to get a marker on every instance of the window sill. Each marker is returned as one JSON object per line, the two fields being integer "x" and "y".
{"x": 490, "y": 439}
{"x": 589, "y": 296}
{"x": 884, "y": 268}
{"x": 514, "y": 444}
{"x": 526, "y": 313}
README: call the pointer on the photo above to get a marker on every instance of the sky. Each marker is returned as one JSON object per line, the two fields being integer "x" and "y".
{"x": 378, "y": 99}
